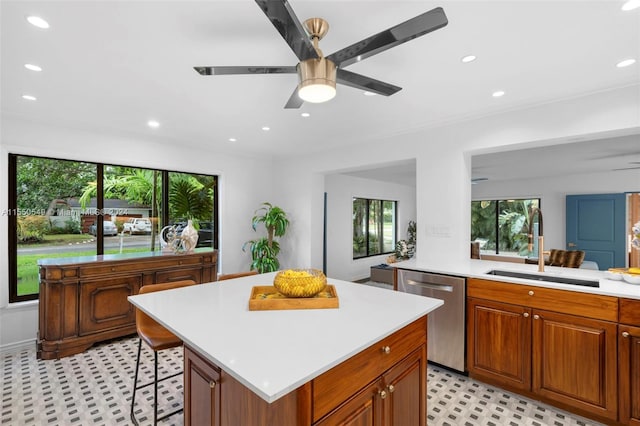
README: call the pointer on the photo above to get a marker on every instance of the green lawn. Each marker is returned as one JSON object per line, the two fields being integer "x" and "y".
{"x": 61, "y": 239}
{"x": 28, "y": 278}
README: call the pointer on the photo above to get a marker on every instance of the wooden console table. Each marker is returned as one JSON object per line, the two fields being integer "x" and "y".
{"x": 83, "y": 300}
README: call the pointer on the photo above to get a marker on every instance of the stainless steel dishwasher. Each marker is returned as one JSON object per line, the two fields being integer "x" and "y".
{"x": 446, "y": 325}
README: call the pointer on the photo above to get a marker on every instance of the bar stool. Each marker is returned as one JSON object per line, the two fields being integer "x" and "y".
{"x": 236, "y": 275}
{"x": 157, "y": 338}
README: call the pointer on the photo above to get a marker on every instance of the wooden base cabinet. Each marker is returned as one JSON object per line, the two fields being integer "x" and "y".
{"x": 83, "y": 300}
{"x": 566, "y": 356}
{"x": 383, "y": 385}
{"x": 575, "y": 363}
{"x": 629, "y": 362}
{"x": 499, "y": 343}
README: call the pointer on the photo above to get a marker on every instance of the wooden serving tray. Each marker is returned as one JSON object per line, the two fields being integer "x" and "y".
{"x": 266, "y": 298}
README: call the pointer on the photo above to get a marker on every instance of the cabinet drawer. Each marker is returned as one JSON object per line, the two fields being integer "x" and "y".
{"x": 630, "y": 312}
{"x": 172, "y": 275}
{"x": 346, "y": 379}
{"x": 568, "y": 302}
{"x": 160, "y": 263}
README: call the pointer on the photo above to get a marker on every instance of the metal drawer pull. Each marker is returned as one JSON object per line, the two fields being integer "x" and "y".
{"x": 383, "y": 394}
{"x": 386, "y": 350}
{"x": 625, "y": 334}
{"x": 391, "y": 388}
{"x": 432, "y": 286}
{"x": 526, "y": 315}
{"x": 536, "y": 316}
{"x": 212, "y": 384}
{"x": 530, "y": 292}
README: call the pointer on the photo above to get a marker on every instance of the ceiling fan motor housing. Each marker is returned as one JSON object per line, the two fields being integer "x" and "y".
{"x": 317, "y": 80}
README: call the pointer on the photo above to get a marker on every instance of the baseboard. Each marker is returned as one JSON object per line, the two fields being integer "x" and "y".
{"x": 17, "y": 346}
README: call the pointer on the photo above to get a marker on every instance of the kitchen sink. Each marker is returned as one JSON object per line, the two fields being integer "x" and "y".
{"x": 548, "y": 278}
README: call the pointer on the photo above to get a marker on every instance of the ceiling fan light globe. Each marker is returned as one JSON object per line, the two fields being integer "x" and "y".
{"x": 317, "y": 93}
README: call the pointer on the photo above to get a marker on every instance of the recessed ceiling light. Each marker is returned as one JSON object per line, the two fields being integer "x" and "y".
{"x": 368, "y": 93}
{"x": 37, "y": 21}
{"x": 305, "y": 114}
{"x": 266, "y": 128}
{"x": 153, "y": 124}
{"x": 32, "y": 67}
{"x": 468, "y": 58}
{"x": 498, "y": 93}
{"x": 625, "y": 63}
{"x": 232, "y": 139}
{"x": 630, "y": 5}
{"x": 29, "y": 97}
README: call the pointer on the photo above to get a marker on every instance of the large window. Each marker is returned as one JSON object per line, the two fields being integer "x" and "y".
{"x": 374, "y": 227}
{"x": 62, "y": 208}
{"x": 501, "y": 226}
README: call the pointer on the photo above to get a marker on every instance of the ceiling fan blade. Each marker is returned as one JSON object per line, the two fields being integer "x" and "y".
{"x": 360, "y": 81}
{"x": 284, "y": 19}
{"x": 244, "y": 70}
{"x": 294, "y": 101}
{"x": 401, "y": 33}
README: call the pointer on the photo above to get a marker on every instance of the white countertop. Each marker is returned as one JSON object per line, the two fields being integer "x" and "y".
{"x": 476, "y": 268}
{"x": 275, "y": 352}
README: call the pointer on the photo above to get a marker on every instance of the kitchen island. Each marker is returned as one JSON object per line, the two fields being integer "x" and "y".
{"x": 298, "y": 367}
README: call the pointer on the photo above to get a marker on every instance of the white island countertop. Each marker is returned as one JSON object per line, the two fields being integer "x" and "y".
{"x": 477, "y": 268}
{"x": 275, "y": 352}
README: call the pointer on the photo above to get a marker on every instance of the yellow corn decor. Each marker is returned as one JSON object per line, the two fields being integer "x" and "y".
{"x": 634, "y": 271}
{"x": 300, "y": 282}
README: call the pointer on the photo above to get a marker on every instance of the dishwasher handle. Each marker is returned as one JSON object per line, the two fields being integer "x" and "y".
{"x": 432, "y": 286}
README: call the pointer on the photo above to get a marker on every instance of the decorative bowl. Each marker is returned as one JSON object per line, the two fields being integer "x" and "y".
{"x": 610, "y": 275}
{"x": 632, "y": 278}
{"x": 300, "y": 282}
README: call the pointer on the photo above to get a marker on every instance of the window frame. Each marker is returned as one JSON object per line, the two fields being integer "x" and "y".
{"x": 381, "y": 239}
{"x": 12, "y": 240}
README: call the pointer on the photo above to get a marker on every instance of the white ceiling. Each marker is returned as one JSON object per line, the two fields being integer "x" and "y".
{"x": 110, "y": 66}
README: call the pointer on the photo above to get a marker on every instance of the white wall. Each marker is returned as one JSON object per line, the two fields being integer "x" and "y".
{"x": 443, "y": 164}
{"x": 553, "y": 190}
{"x": 341, "y": 189}
{"x": 244, "y": 184}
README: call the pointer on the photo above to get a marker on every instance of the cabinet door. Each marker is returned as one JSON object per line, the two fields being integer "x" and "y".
{"x": 406, "y": 395}
{"x": 574, "y": 362}
{"x": 364, "y": 409}
{"x": 629, "y": 374}
{"x": 499, "y": 343}
{"x": 104, "y": 304}
{"x": 201, "y": 391}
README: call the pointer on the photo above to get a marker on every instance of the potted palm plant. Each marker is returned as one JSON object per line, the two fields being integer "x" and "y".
{"x": 264, "y": 251}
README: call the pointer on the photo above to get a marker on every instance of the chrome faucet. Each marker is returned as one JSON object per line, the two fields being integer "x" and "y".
{"x": 540, "y": 238}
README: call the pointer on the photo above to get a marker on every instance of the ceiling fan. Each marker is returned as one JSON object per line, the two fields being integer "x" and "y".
{"x": 318, "y": 74}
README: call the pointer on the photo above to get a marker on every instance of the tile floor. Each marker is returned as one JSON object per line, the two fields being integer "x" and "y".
{"x": 94, "y": 388}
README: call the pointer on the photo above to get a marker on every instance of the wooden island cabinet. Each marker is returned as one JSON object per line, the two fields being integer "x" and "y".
{"x": 384, "y": 385}
{"x": 83, "y": 300}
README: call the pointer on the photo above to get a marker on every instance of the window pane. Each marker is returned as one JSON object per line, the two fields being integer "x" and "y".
{"x": 134, "y": 197}
{"x": 389, "y": 226}
{"x": 359, "y": 227}
{"x": 49, "y": 217}
{"x": 375, "y": 226}
{"x": 191, "y": 197}
{"x": 513, "y": 222}
{"x": 483, "y": 224}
